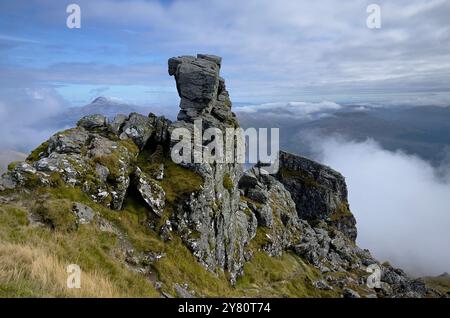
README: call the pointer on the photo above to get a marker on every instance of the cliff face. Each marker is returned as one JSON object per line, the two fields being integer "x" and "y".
{"x": 228, "y": 219}
{"x": 319, "y": 192}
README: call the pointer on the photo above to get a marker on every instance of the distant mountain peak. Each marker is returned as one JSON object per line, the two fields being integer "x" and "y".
{"x": 107, "y": 100}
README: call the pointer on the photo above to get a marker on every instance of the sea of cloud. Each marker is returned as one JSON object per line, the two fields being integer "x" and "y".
{"x": 401, "y": 202}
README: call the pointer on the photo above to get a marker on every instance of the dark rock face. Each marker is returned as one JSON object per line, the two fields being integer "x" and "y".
{"x": 319, "y": 192}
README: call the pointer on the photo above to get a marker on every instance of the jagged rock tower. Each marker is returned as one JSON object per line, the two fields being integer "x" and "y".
{"x": 202, "y": 91}
{"x": 212, "y": 222}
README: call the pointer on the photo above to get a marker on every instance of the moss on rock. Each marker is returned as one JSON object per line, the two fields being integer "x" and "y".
{"x": 36, "y": 154}
{"x": 227, "y": 182}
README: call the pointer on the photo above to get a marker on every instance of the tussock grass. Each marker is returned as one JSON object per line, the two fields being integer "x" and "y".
{"x": 27, "y": 271}
{"x": 439, "y": 283}
{"x": 99, "y": 254}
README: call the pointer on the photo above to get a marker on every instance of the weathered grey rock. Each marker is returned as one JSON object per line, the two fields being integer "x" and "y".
{"x": 64, "y": 164}
{"x": 161, "y": 127}
{"x": 93, "y": 122}
{"x": 202, "y": 90}
{"x": 159, "y": 174}
{"x": 321, "y": 284}
{"x": 211, "y": 221}
{"x": 139, "y": 128}
{"x": 116, "y": 124}
{"x": 251, "y": 219}
{"x": 81, "y": 158}
{"x": 102, "y": 172}
{"x": 264, "y": 215}
{"x": 198, "y": 82}
{"x": 70, "y": 141}
{"x": 273, "y": 207}
{"x": 213, "y": 58}
{"x": 7, "y": 181}
{"x": 166, "y": 231}
{"x": 151, "y": 192}
{"x": 182, "y": 292}
{"x": 319, "y": 192}
{"x": 350, "y": 293}
{"x": 83, "y": 213}
{"x": 331, "y": 251}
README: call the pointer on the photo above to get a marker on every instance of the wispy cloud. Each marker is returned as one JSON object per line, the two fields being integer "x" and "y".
{"x": 10, "y": 38}
{"x": 273, "y": 50}
{"x": 289, "y": 109}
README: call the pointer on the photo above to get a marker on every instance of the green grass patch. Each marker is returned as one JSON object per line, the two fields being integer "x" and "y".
{"x": 439, "y": 283}
{"x": 300, "y": 176}
{"x": 57, "y": 213}
{"x": 228, "y": 182}
{"x": 285, "y": 276}
{"x": 35, "y": 154}
{"x": 342, "y": 212}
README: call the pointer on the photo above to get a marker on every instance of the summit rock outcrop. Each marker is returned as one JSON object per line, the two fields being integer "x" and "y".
{"x": 212, "y": 222}
{"x": 221, "y": 213}
{"x": 202, "y": 91}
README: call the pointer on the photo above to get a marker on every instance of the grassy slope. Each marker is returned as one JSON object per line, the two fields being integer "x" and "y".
{"x": 439, "y": 283}
{"x": 33, "y": 258}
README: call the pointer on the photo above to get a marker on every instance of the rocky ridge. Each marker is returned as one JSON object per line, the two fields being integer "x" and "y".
{"x": 303, "y": 209}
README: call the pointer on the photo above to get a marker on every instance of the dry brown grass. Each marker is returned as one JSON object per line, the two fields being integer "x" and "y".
{"x": 30, "y": 271}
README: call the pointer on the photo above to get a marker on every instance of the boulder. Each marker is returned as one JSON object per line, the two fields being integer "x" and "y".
{"x": 350, "y": 293}
{"x": 93, "y": 122}
{"x": 116, "y": 124}
{"x": 83, "y": 213}
{"x": 152, "y": 193}
{"x": 182, "y": 291}
{"x": 321, "y": 284}
{"x": 139, "y": 128}
{"x": 70, "y": 141}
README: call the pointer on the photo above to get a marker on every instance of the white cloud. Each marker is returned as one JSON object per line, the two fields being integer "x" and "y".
{"x": 401, "y": 205}
{"x": 21, "y": 111}
{"x": 290, "y": 109}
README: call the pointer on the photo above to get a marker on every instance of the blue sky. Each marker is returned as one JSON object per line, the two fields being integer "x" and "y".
{"x": 273, "y": 52}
